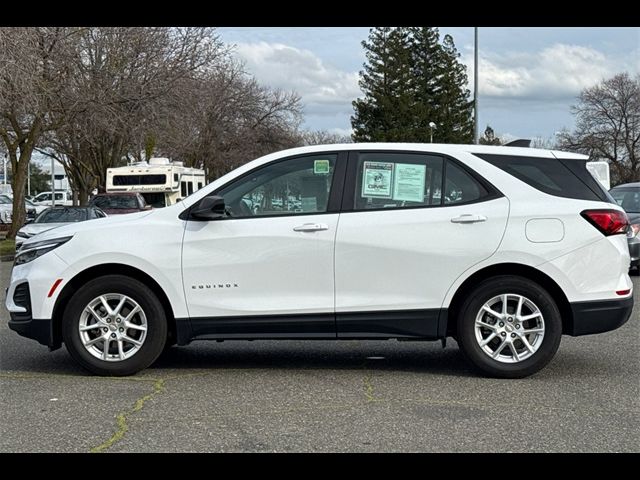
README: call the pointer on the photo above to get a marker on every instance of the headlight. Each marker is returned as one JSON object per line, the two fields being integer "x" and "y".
{"x": 30, "y": 252}
{"x": 22, "y": 235}
{"x": 634, "y": 229}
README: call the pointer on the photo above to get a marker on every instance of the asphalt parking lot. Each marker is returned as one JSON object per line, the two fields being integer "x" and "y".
{"x": 322, "y": 396}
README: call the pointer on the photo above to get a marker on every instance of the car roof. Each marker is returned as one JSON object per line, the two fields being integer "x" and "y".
{"x": 432, "y": 148}
{"x": 628, "y": 185}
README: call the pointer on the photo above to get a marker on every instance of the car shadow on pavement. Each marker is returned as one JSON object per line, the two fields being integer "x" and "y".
{"x": 321, "y": 355}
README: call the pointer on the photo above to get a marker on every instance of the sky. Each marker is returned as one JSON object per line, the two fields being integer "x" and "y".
{"x": 529, "y": 77}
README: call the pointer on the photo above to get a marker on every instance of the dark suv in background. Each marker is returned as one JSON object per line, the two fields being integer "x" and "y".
{"x": 628, "y": 197}
{"x": 119, "y": 203}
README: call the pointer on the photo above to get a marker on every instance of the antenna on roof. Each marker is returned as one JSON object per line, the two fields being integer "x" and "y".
{"x": 519, "y": 143}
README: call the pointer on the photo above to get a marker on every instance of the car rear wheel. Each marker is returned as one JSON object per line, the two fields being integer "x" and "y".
{"x": 509, "y": 327}
{"x": 114, "y": 325}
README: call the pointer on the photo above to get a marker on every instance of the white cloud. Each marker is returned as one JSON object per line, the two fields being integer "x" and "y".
{"x": 558, "y": 72}
{"x": 324, "y": 88}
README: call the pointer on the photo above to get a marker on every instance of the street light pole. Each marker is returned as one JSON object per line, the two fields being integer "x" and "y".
{"x": 4, "y": 166}
{"x": 29, "y": 178}
{"x": 475, "y": 86}
{"x": 432, "y": 125}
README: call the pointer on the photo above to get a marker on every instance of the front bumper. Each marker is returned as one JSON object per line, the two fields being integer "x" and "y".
{"x": 36, "y": 329}
{"x": 599, "y": 316}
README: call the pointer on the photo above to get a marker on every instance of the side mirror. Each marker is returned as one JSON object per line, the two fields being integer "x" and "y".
{"x": 209, "y": 208}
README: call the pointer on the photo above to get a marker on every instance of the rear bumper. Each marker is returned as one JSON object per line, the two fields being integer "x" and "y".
{"x": 599, "y": 316}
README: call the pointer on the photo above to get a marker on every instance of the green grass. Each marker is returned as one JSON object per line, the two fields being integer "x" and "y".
{"x": 7, "y": 247}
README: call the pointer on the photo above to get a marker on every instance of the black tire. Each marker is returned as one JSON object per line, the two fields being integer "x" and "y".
{"x": 484, "y": 292}
{"x": 156, "y": 325}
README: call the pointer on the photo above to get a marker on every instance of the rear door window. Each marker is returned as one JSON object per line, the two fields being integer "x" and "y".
{"x": 460, "y": 187}
{"x": 386, "y": 180}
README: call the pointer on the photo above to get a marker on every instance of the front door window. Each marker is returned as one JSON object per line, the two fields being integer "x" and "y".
{"x": 298, "y": 186}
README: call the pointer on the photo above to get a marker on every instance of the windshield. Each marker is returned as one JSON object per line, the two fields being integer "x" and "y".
{"x": 116, "y": 202}
{"x": 627, "y": 198}
{"x": 155, "y": 199}
{"x": 62, "y": 215}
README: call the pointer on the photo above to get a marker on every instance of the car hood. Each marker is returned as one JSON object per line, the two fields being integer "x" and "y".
{"x": 37, "y": 228}
{"x": 70, "y": 229}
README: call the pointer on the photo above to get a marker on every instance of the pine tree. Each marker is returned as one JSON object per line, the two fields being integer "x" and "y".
{"x": 489, "y": 137}
{"x": 454, "y": 109}
{"x": 411, "y": 79}
{"x": 384, "y": 114}
{"x": 426, "y": 53}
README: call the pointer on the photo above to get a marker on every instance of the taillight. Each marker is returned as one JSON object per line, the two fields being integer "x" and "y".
{"x": 609, "y": 222}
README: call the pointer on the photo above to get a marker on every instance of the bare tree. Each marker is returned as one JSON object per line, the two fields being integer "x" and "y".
{"x": 34, "y": 68}
{"x": 227, "y": 119}
{"x": 323, "y": 137}
{"x": 608, "y": 126}
{"x": 122, "y": 76}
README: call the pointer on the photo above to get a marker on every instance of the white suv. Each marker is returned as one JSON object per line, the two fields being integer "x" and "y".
{"x": 505, "y": 249}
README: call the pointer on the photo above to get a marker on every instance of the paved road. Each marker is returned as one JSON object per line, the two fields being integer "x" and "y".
{"x": 322, "y": 396}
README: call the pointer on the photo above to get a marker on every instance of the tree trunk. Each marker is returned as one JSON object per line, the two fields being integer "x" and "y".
{"x": 19, "y": 185}
{"x": 83, "y": 194}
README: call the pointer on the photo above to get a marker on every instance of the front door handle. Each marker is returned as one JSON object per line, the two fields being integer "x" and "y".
{"x": 468, "y": 218}
{"x": 311, "y": 227}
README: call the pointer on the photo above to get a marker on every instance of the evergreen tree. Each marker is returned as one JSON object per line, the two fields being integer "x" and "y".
{"x": 489, "y": 137}
{"x": 454, "y": 109}
{"x": 411, "y": 79}
{"x": 426, "y": 55}
{"x": 384, "y": 114}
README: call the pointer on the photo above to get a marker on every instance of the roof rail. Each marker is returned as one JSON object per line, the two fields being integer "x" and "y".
{"x": 521, "y": 142}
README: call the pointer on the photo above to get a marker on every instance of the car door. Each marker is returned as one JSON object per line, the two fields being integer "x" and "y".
{"x": 267, "y": 267}
{"x": 402, "y": 241}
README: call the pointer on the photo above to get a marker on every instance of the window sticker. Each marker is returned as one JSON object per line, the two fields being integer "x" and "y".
{"x": 376, "y": 179}
{"x": 321, "y": 167}
{"x": 409, "y": 182}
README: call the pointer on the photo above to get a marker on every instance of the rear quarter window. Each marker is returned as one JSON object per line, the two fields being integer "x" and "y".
{"x": 550, "y": 175}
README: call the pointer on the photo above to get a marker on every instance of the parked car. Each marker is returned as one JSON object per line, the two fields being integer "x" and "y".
{"x": 628, "y": 197}
{"x": 32, "y": 209}
{"x": 62, "y": 197}
{"x": 38, "y": 208}
{"x": 119, "y": 203}
{"x": 6, "y": 209}
{"x": 54, "y": 217}
{"x": 504, "y": 249}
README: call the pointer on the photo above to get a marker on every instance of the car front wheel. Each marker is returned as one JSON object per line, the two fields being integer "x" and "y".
{"x": 114, "y": 325}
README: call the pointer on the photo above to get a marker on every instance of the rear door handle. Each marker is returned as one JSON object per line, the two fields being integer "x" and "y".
{"x": 311, "y": 227}
{"x": 468, "y": 218}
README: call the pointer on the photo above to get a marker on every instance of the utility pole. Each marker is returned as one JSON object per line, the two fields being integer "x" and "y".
{"x": 4, "y": 163}
{"x": 29, "y": 178}
{"x": 475, "y": 86}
